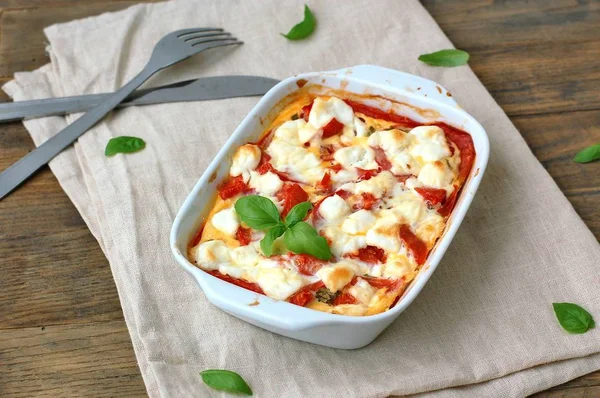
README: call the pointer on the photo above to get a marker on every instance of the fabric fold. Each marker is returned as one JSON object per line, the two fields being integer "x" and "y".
{"x": 483, "y": 326}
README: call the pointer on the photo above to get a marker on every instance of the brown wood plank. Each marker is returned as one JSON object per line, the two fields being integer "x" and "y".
{"x": 579, "y": 392}
{"x": 590, "y": 380}
{"x": 22, "y": 40}
{"x": 53, "y": 270}
{"x": 91, "y": 360}
{"x": 21, "y": 4}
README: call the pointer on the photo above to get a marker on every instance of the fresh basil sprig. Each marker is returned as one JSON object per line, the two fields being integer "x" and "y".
{"x": 573, "y": 318}
{"x": 588, "y": 154}
{"x": 261, "y": 213}
{"x": 304, "y": 28}
{"x": 225, "y": 380}
{"x": 123, "y": 144}
{"x": 449, "y": 57}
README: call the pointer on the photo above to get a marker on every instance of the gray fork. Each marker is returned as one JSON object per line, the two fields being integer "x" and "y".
{"x": 172, "y": 48}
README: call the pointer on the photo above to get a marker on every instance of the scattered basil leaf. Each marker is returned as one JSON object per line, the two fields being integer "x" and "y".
{"x": 297, "y": 213}
{"x": 325, "y": 295}
{"x": 257, "y": 212}
{"x": 225, "y": 380}
{"x": 303, "y": 238}
{"x": 304, "y": 28}
{"x": 589, "y": 154}
{"x": 445, "y": 58}
{"x": 123, "y": 144}
{"x": 573, "y": 318}
{"x": 266, "y": 244}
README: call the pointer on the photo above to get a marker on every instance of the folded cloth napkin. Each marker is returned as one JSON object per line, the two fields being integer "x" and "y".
{"x": 483, "y": 326}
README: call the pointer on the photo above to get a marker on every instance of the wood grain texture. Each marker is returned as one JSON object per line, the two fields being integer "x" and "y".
{"x": 539, "y": 59}
{"x": 89, "y": 360}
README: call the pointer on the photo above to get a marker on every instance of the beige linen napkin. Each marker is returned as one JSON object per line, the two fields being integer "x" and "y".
{"x": 484, "y": 324}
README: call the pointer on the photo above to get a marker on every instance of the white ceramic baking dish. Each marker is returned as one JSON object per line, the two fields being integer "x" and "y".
{"x": 420, "y": 99}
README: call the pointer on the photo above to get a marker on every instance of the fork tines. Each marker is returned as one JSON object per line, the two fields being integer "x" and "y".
{"x": 208, "y": 35}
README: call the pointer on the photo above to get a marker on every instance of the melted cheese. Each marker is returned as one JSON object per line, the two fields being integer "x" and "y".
{"x": 211, "y": 254}
{"x": 436, "y": 175}
{"x": 359, "y": 222}
{"x": 278, "y": 282}
{"x": 363, "y": 291}
{"x": 337, "y": 276}
{"x": 322, "y": 112}
{"x": 376, "y": 186}
{"x": 245, "y": 159}
{"x": 356, "y": 156}
{"x": 302, "y": 164}
{"x": 430, "y": 144}
{"x": 334, "y": 208}
{"x": 267, "y": 184}
{"x": 226, "y": 221}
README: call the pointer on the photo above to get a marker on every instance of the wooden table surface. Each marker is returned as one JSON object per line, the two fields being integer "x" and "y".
{"x": 62, "y": 331}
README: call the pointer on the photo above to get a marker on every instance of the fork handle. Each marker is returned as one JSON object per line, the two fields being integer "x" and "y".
{"x": 29, "y": 164}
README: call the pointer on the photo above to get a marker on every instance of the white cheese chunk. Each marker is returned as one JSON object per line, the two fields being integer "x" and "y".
{"x": 322, "y": 112}
{"x": 430, "y": 145}
{"x": 209, "y": 255}
{"x": 398, "y": 266}
{"x": 341, "y": 242}
{"x": 267, "y": 184}
{"x": 362, "y": 290}
{"x": 226, "y": 221}
{"x": 377, "y": 186}
{"x": 384, "y": 234}
{"x": 278, "y": 282}
{"x": 359, "y": 222}
{"x": 245, "y": 256}
{"x": 337, "y": 276}
{"x": 245, "y": 159}
{"x": 235, "y": 272}
{"x": 436, "y": 175}
{"x": 360, "y": 128}
{"x": 404, "y": 163}
{"x": 334, "y": 208}
{"x": 410, "y": 211}
{"x": 391, "y": 141}
{"x": 306, "y": 133}
{"x": 344, "y": 175}
{"x": 300, "y": 163}
{"x": 356, "y": 156}
{"x": 288, "y": 131}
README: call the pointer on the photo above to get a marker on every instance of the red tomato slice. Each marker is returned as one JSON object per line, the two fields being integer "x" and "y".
{"x": 379, "y": 283}
{"x": 332, "y": 128}
{"x": 196, "y": 239}
{"x": 364, "y": 175}
{"x": 379, "y": 114}
{"x": 344, "y": 298}
{"x": 464, "y": 142}
{"x": 370, "y": 254}
{"x": 231, "y": 187}
{"x": 381, "y": 159}
{"x": 447, "y": 207}
{"x": 244, "y": 236}
{"x": 416, "y": 246}
{"x": 434, "y": 196}
{"x": 336, "y": 168}
{"x": 367, "y": 200}
{"x": 305, "y": 294}
{"x": 327, "y": 152}
{"x": 291, "y": 195}
{"x": 307, "y": 264}
{"x": 325, "y": 184}
{"x": 343, "y": 194}
{"x": 402, "y": 178}
{"x": 238, "y": 282}
{"x": 265, "y": 140}
{"x": 306, "y": 111}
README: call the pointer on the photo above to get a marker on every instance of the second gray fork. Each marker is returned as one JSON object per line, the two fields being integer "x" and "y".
{"x": 172, "y": 48}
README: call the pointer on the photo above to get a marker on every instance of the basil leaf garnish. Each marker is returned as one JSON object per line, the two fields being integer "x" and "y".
{"x": 257, "y": 212}
{"x": 588, "y": 154}
{"x": 123, "y": 144}
{"x": 297, "y": 213}
{"x": 445, "y": 58}
{"x": 266, "y": 244}
{"x": 225, "y": 380}
{"x": 303, "y": 238}
{"x": 304, "y": 28}
{"x": 573, "y": 318}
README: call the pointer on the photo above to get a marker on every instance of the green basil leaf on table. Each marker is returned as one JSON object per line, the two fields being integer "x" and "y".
{"x": 257, "y": 212}
{"x": 449, "y": 57}
{"x": 297, "y": 213}
{"x": 225, "y": 380}
{"x": 303, "y": 238}
{"x": 588, "y": 154}
{"x": 123, "y": 144}
{"x": 304, "y": 28}
{"x": 573, "y": 318}
{"x": 266, "y": 244}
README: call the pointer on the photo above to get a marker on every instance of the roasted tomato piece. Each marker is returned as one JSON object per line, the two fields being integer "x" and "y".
{"x": 231, "y": 187}
{"x": 416, "y": 246}
{"x": 447, "y": 207}
{"x": 435, "y": 196}
{"x": 325, "y": 184}
{"x": 332, "y": 128}
{"x": 327, "y": 152}
{"x": 244, "y": 236}
{"x": 379, "y": 283}
{"x": 265, "y": 140}
{"x": 291, "y": 194}
{"x": 343, "y": 194}
{"x": 402, "y": 177}
{"x": 366, "y": 201}
{"x": 307, "y": 264}
{"x": 239, "y": 282}
{"x": 306, "y": 111}
{"x": 305, "y": 294}
{"x": 364, "y": 175}
{"x": 370, "y": 254}
{"x": 336, "y": 168}
{"x": 379, "y": 114}
{"x": 381, "y": 159}
{"x": 464, "y": 142}
{"x": 264, "y": 166}
{"x": 344, "y": 298}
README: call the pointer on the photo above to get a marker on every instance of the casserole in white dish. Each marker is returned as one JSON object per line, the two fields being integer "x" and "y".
{"x": 416, "y": 98}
